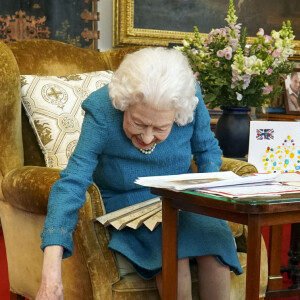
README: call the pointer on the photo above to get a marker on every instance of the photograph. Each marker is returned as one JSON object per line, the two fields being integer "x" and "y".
{"x": 292, "y": 93}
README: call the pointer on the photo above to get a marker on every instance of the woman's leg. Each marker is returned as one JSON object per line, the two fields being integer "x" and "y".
{"x": 184, "y": 281}
{"x": 214, "y": 279}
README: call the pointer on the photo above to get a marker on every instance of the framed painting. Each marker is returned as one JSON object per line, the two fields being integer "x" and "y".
{"x": 164, "y": 22}
{"x": 70, "y": 21}
{"x": 292, "y": 93}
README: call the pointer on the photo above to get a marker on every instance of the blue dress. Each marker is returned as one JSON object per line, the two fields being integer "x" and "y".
{"x": 106, "y": 156}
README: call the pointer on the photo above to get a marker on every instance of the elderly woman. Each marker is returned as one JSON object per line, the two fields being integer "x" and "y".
{"x": 149, "y": 121}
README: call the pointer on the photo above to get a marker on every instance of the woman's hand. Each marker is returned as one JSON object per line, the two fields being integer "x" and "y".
{"x": 51, "y": 287}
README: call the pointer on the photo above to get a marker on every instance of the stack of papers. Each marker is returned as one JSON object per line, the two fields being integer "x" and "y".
{"x": 227, "y": 184}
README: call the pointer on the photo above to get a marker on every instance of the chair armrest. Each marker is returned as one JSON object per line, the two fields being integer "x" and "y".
{"x": 93, "y": 239}
{"x": 28, "y": 188}
{"x": 239, "y": 167}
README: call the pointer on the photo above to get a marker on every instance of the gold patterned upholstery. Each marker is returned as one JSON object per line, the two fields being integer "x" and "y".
{"x": 91, "y": 273}
{"x": 53, "y": 106}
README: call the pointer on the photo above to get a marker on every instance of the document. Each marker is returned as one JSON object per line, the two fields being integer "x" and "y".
{"x": 195, "y": 181}
{"x": 251, "y": 190}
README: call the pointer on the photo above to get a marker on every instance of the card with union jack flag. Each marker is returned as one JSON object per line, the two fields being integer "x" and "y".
{"x": 264, "y": 134}
{"x": 274, "y": 146}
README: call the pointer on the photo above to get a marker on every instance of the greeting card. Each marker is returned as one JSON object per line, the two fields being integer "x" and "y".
{"x": 274, "y": 146}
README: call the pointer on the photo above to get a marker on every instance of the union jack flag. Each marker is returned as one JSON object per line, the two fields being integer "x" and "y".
{"x": 265, "y": 134}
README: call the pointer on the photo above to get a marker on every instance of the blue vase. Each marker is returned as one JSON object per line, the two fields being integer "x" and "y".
{"x": 232, "y": 131}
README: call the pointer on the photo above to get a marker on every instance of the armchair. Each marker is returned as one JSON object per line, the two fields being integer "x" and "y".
{"x": 92, "y": 272}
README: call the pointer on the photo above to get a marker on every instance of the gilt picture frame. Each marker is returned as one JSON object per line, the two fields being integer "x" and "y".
{"x": 164, "y": 22}
{"x": 292, "y": 93}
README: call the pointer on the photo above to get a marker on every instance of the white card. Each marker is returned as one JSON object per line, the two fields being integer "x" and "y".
{"x": 274, "y": 146}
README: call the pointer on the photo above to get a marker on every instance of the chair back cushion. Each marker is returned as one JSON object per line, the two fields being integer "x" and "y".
{"x": 53, "y": 106}
{"x": 49, "y": 57}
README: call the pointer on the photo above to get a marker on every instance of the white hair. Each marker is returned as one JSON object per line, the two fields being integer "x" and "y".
{"x": 159, "y": 77}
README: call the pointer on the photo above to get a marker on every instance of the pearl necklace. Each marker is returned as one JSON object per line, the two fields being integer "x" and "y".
{"x": 149, "y": 150}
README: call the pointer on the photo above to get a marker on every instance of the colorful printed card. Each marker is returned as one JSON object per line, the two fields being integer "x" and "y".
{"x": 274, "y": 146}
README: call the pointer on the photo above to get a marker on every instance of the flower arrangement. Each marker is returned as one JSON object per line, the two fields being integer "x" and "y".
{"x": 232, "y": 73}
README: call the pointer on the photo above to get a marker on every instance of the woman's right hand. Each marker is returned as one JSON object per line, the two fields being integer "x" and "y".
{"x": 51, "y": 286}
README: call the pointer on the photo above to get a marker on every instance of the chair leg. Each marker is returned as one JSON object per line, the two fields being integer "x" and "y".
{"x": 14, "y": 296}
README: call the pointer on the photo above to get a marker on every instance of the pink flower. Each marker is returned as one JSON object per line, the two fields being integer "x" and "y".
{"x": 260, "y": 32}
{"x": 276, "y": 53}
{"x": 269, "y": 71}
{"x": 220, "y": 53}
{"x": 268, "y": 39}
{"x": 238, "y": 26}
{"x": 217, "y": 63}
{"x": 222, "y": 31}
{"x": 227, "y": 49}
{"x": 234, "y": 43}
{"x": 216, "y": 31}
{"x": 228, "y": 55}
{"x": 267, "y": 89}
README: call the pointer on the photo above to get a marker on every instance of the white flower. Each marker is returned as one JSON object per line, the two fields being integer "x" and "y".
{"x": 185, "y": 43}
{"x": 194, "y": 51}
{"x": 179, "y": 48}
{"x": 239, "y": 96}
{"x": 275, "y": 34}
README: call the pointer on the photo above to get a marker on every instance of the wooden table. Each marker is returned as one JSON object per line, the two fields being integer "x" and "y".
{"x": 255, "y": 212}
